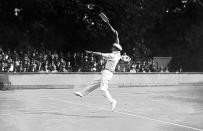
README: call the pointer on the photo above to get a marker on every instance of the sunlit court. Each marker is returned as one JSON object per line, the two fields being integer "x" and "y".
{"x": 161, "y": 108}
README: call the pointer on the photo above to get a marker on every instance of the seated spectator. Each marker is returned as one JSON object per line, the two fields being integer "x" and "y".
{"x": 21, "y": 66}
{"x": 58, "y": 66}
{"x": 133, "y": 68}
{"x": 76, "y": 62}
{"x": 162, "y": 69}
{"x": 46, "y": 68}
{"x": 143, "y": 70}
{"x": 86, "y": 65}
{"x": 92, "y": 64}
{"x": 32, "y": 67}
{"x": 69, "y": 67}
{"x": 100, "y": 65}
{"x": 94, "y": 67}
{"x": 167, "y": 70}
{"x": 64, "y": 69}
{"x": 11, "y": 67}
{"x": 138, "y": 67}
{"x": 152, "y": 67}
{"x": 17, "y": 65}
{"x": 54, "y": 69}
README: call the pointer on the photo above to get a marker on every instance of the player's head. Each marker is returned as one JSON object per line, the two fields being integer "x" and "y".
{"x": 116, "y": 47}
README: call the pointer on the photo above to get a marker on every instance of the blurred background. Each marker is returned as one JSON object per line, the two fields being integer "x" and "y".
{"x": 157, "y": 35}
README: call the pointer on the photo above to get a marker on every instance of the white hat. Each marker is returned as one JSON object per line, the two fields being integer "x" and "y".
{"x": 117, "y": 46}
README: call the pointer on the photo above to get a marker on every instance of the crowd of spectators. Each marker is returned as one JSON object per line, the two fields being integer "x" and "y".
{"x": 43, "y": 60}
{"x": 29, "y": 59}
{"x": 146, "y": 65}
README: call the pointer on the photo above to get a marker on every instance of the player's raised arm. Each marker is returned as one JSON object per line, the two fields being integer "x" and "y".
{"x": 116, "y": 34}
{"x": 117, "y": 38}
{"x": 105, "y": 19}
{"x": 114, "y": 31}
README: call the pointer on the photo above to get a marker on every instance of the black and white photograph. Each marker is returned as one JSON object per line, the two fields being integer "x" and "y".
{"x": 101, "y": 65}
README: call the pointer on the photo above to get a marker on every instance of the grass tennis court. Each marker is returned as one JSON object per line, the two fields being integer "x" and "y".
{"x": 163, "y": 108}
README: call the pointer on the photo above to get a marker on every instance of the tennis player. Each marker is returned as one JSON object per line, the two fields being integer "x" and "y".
{"x": 107, "y": 73}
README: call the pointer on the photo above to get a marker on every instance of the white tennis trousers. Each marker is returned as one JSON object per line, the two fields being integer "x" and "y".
{"x": 101, "y": 82}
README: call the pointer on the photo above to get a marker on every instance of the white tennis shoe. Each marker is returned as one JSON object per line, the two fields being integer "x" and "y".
{"x": 113, "y": 105}
{"x": 78, "y": 94}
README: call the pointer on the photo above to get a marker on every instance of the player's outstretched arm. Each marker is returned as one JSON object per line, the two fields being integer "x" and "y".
{"x": 96, "y": 53}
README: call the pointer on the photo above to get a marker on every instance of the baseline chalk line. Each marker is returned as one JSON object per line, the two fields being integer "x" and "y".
{"x": 125, "y": 113}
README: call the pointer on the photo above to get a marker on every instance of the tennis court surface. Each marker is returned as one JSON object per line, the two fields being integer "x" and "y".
{"x": 164, "y": 108}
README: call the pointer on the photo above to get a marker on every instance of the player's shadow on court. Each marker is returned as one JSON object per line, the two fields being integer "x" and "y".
{"x": 89, "y": 116}
{"x": 66, "y": 114}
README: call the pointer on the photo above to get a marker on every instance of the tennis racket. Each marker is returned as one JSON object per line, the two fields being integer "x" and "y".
{"x": 104, "y": 17}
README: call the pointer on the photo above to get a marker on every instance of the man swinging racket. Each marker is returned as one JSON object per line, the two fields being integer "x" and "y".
{"x": 107, "y": 73}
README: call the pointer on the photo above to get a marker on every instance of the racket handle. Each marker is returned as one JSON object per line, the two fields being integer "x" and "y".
{"x": 111, "y": 27}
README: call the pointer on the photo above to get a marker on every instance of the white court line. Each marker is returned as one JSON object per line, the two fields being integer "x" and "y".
{"x": 8, "y": 114}
{"x": 125, "y": 113}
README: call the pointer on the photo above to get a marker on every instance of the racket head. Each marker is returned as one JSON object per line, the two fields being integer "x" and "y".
{"x": 104, "y": 17}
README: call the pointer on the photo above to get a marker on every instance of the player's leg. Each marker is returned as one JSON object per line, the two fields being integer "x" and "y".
{"x": 110, "y": 99}
{"x": 106, "y": 77}
{"x": 94, "y": 85}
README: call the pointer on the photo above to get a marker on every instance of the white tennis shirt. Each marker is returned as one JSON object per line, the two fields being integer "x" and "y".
{"x": 112, "y": 60}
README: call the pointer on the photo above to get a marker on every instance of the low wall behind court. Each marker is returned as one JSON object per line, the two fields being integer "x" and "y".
{"x": 71, "y": 80}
